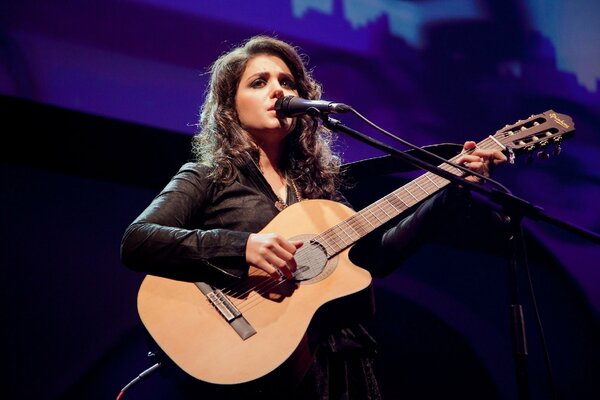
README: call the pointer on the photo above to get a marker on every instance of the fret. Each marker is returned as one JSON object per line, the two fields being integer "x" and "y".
{"x": 404, "y": 205}
{"x": 401, "y": 207}
{"x": 438, "y": 182}
{"x": 382, "y": 208}
{"x": 329, "y": 250}
{"x": 420, "y": 187}
{"x": 342, "y": 233}
{"x": 374, "y": 214}
{"x": 350, "y": 225}
{"x": 409, "y": 192}
{"x": 431, "y": 180}
{"x": 359, "y": 226}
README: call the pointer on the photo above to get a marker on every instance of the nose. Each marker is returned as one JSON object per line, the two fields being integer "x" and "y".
{"x": 276, "y": 88}
{"x": 277, "y": 92}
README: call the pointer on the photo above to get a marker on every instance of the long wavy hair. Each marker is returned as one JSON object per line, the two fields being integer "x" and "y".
{"x": 222, "y": 143}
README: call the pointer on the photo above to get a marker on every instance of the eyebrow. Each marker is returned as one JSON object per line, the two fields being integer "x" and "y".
{"x": 264, "y": 73}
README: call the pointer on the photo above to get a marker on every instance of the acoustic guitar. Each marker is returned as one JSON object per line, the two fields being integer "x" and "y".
{"x": 237, "y": 334}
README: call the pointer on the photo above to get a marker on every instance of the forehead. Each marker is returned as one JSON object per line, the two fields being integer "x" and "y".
{"x": 265, "y": 63}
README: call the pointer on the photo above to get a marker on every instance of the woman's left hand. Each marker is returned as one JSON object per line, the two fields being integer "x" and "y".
{"x": 480, "y": 161}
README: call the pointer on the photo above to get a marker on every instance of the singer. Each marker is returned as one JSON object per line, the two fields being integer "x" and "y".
{"x": 252, "y": 162}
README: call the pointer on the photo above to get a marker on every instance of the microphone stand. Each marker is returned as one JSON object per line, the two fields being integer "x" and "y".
{"x": 513, "y": 210}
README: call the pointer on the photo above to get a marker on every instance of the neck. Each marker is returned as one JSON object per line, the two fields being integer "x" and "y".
{"x": 268, "y": 165}
{"x": 269, "y": 157}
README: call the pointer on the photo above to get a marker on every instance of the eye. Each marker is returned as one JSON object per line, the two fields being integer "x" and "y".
{"x": 288, "y": 83}
{"x": 257, "y": 83}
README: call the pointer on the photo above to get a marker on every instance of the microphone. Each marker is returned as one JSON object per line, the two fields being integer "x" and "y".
{"x": 291, "y": 106}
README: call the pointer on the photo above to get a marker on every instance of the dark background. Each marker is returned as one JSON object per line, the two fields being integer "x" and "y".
{"x": 99, "y": 101}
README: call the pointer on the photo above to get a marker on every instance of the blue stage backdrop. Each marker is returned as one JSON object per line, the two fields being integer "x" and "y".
{"x": 132, "y": 73}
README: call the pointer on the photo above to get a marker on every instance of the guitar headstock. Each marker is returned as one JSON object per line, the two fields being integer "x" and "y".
{"x": 537, "y": 131}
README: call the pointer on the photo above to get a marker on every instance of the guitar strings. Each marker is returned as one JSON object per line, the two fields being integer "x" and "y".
{"x": 258, "y": 296}
{"x": 250, "y": 295}
{"x": 230, "y": 293}
{"x": 267, "y": 285}
{"x": 396, "y": 202}
{"x": 242, "y": 289}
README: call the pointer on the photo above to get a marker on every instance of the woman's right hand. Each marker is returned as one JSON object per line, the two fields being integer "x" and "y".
{"x": 272, "y": 253}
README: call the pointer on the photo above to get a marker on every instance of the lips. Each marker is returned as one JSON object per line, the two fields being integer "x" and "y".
{"x": 272, "y": 109}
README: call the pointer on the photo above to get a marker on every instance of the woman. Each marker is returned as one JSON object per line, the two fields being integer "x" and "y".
{"x": 251, "y": 164}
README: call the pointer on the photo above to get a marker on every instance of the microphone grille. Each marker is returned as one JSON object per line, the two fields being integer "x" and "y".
{"x": 283, "y": 102}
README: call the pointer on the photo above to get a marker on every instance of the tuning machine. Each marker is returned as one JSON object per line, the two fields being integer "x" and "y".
{"x": 557, "y": 146}
{"x": 543, "y": 153}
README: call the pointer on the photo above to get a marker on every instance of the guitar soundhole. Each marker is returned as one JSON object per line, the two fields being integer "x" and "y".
{"x": 312, "y": 261}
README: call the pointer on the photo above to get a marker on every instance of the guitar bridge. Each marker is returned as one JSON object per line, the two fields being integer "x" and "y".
{"x": 227, "y": 310}
{"x": 223, "y": 305}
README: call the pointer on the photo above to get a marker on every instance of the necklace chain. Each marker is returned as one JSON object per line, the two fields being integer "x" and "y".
{"x": 280, "y": 204}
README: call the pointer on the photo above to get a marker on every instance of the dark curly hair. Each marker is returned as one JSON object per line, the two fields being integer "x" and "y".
{"x": 222, "y": 144}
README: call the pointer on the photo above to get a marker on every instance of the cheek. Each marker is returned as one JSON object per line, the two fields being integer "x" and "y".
{"x": 242, "y": 107}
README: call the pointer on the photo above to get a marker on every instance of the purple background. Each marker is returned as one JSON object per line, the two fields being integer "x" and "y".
{"x": 428, "y": 71}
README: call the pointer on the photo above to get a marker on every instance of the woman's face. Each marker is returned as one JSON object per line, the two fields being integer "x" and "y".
{"x": 265, "y": 79}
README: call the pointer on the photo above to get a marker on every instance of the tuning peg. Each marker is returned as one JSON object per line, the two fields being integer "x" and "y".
{"x": 529, "y": 158}
{"x": 511, "y": 156}
{"x": 557, "y": 149}
{"x": 543, "y": 155}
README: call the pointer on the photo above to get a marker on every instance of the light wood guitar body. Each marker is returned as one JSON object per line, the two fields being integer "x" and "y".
{"x": 201, "y": 342}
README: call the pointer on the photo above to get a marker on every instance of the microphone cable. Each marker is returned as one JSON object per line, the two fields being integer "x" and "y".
{"x": 427, "y": 152}
{"x": 138, "y": 378}
{"x": 531, "y": 290}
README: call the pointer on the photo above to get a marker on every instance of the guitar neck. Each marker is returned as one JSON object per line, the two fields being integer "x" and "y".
{"x": 347, "y": 232}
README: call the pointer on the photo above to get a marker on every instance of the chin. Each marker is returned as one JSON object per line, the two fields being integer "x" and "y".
{"x": 288, "y": 125}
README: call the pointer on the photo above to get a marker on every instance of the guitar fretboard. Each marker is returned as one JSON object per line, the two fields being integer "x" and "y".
{"x": 347, "y": 232}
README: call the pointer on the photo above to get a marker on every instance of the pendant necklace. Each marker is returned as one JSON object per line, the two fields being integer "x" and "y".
{"x": 280, "y": 204}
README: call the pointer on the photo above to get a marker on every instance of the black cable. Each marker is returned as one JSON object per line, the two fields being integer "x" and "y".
{"x": 538, "y": 320}
{"x": 427, "y": 152}
{"x": 138, "y": 378}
